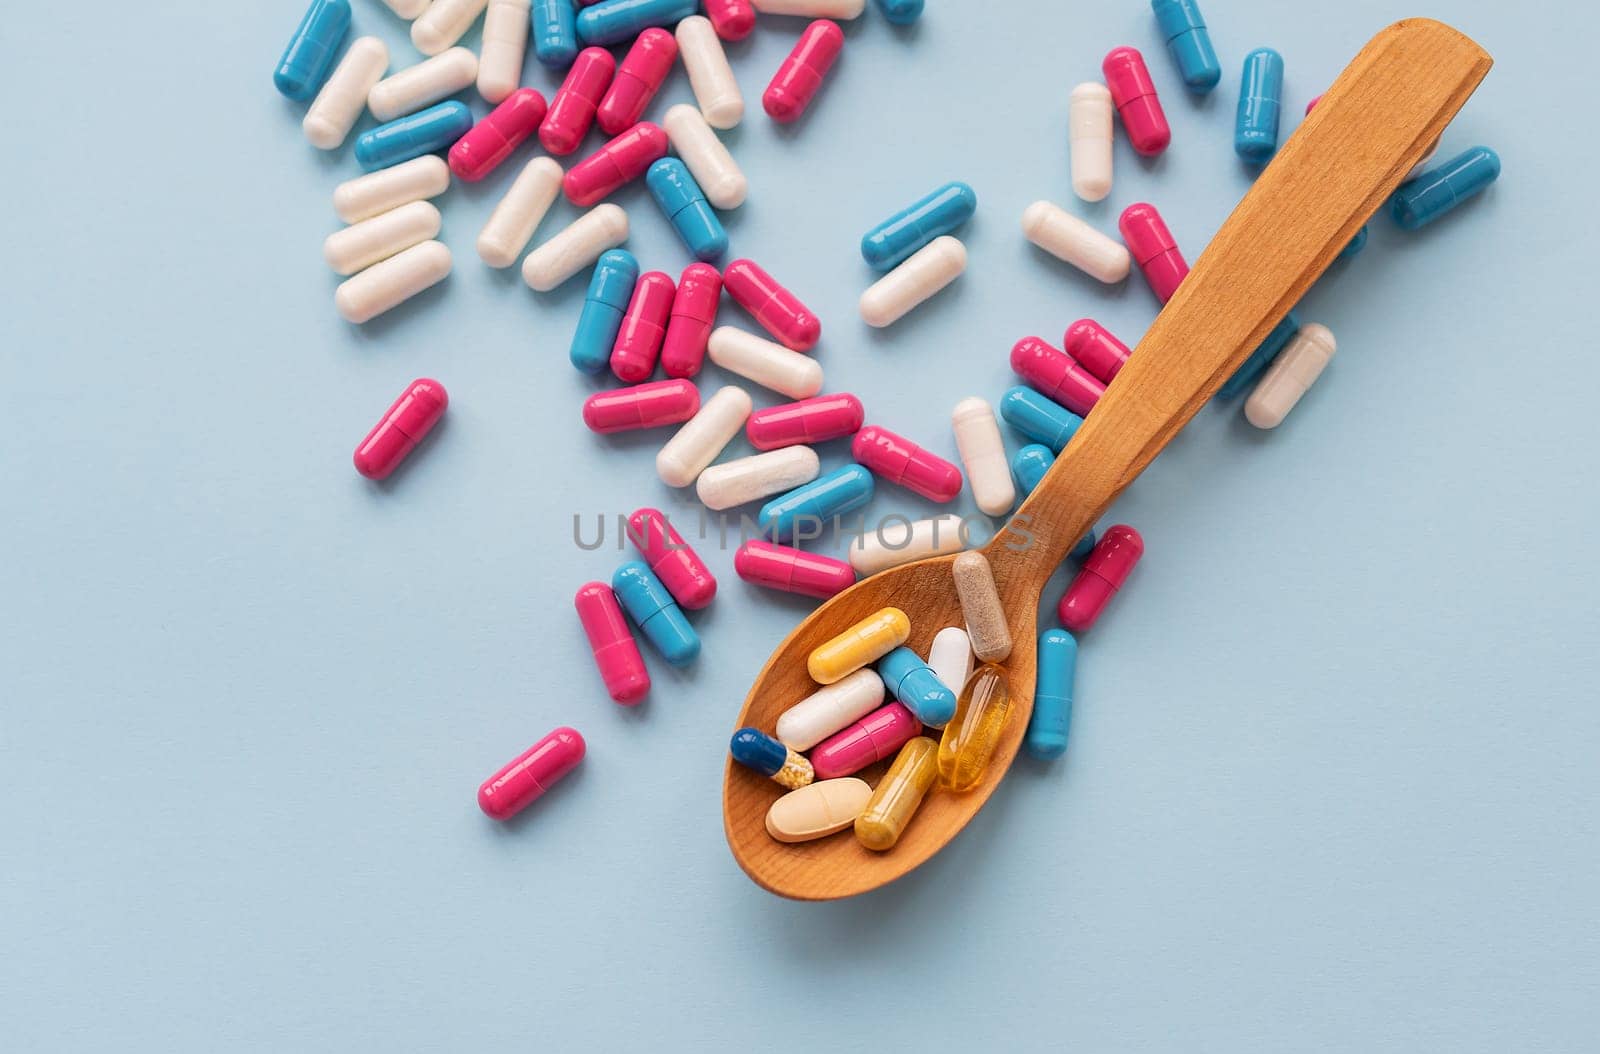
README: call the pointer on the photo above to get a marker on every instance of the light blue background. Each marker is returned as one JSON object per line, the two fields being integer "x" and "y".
{"x": 1333, "y": 776}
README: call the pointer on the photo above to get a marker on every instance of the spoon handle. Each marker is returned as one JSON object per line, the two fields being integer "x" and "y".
{"x": 1380, "y": 117}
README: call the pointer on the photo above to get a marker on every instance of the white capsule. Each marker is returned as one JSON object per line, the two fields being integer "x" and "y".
{"x": 710, "y": 77}
{"x": 818, "y": 809}
{"x": 575, "y": 247}
{"x": 444, "y": 23}
{"x": 757, "y": 476}
{"x": 339, "y": 104}
{"x": 896, "y": 542}
{"x": 391, "y": 282}
{"x": 950, "y": 656}
{"x": 1089, "y": 130}
{"x": 421, "y": 177}
{"x": 812, "y": 8}
{"x": 407, "y": 9}
{"x": 423, "y": 84}
{"x": 703, "y": 436}
{"x": 767, "y": 364}
{"x": 983, "y": 453}
{"x": 1068, "y": 238}
{"x": 1290, "y": 376}
{"x": 918, "y": 278}
{"x": 505, "y": 43}
{"x": 828, "y": 709}
{"x": 712, "y": 166}
{"x": 519, "y": 213}
{"x": 363, "y": 244}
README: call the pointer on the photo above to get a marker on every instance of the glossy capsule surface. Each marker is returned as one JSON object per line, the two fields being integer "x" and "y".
{"x": 672, "y": 559}
{"x": 862, "y": 644}
{"x": 621, "y": 161}
{"x": 1189, "y": 43}
{"x": 309, "y": 56}
{"x": 1262, "y": 357}
{"x": 898, "y": 795}
{"x": 754, "y": 749}
{"x": 809, "y": 421}
{"x": 901, "y": 12}
{"x": 732, "y": 19}
{"x": 525, "y": 778}
{"x": 616, "y": 655}
{"x": 686, "y": 208}
{"x": 803, "y": 511}
{"x": 899, "y": 460}
{"x": 656, "y": 614}
{"x": 1038, "y": 418}
{"x": 698, "y": 443}
{"x": 644, "y": 324}
{"x": 1095, "y": 348}
{"x": 950, "y": 657}
{"x": 1030, "y": 464}
{"x": 1255, "y": 126}
{"x": 397, "y": 433}
{"x": 644, "y": 69}
{"x": 1153, "y": 249}
{"x": 941, "y": 211}
{"x": 1435, "y": 192}
{"x": 573, "y": 108}
{"x": 613, "y": 21}
{"x": 610, "y": 290}
{"x": 642, "y": 406}
{"x": 1056, "y": 374}
{"x": 970, "y": 738}
{"x": 555, "y": 32}
{"x": 778, "y": 310}
{"x": 1102, "y": 574}
{"x": 920, "y": 278}
{"x": 1090, "y": 129}
{"x": 801, "y": 74}
{"x": 791, "y": 570}
{"x": 413, "y": 135}
{"x": 828, "y": 709}
{"x": 983, "y": 454}
{"x": 694, "y": 315}
{"x": 492, "y": 139}
{"x": 871, "y": 739}
{"x": 1052, "y": 695}
{"x": 1134, "y": 94}
{"x": 913, "y": 682}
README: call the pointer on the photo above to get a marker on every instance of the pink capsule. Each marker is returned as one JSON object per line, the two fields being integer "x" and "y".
{"x": 1056, "y": 374}
{"x": 638, "y": 79}
{"x": 642, "y": 406}
{"x": 679, "y": 567}
{"x": 802, "y": 73}
{"x": 779, "y": 311}
{"x": 873, "y": 738}
{"x": 524, "y": 779}
{"x": 1135, "y": 96}
{"x": 732, "y": 19}
{"x": 694, "y": 311}
{"x": 901, "y": 461}
{"x": 619, "y": 162}
{"x": 410, "y": 418}
{"x": 1103, "y": 572}
{"x": 1153, "y": 249}
{"x": 502, "y": 130}
{"x": 1312, "y": 105}
{"x": 615, "y": 652}
{"x": 573, "y": 108}
{"x": 1095, "y": 348}
{"x": 814, "y": 420}
{"x": 633, "y": 356}
{"x": 792, "y": 570}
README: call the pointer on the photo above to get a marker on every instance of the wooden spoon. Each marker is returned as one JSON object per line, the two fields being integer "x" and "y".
{"x": 1384, "y": 112}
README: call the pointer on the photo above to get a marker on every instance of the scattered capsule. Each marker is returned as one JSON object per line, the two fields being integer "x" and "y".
{"x": 1262, "y": 357}
{"x": 443, "y": 23}
{"x": 1056, "y": 374}
{"x": 862, "y": 644}
{"x": 1189, "y": 43}
{"x": 899, "y": 794}
{"x": 1089, "y": 131}
{"x": 970, "y": 738}
{"x": 397, "y": 433}
{"x": 575, "y": 247}
{"x": 505, "y": 43}
{"x": 871, "y": 739}
{"x": 698, "y": 443}
{"x": 1030, "y": 464}
{"x": 415, "y": 180}
{"x": 778, "y": 311}
{"x": 1052, "y": 696}
{"x": 813, "y": 504}
{"x": 747, "y": 479}
{"x": 614, "y": 21}
{"x": 641, "y": 406}
{"x": 711, "y": 79}
{"x": 363, "y": 244}
{"x": 767, "y": 364}
{"x": 1137, "y": 103}
{"x": 1255, "y": 128}
{"x": 1073, "y": 241}
{"x": 845, "y": 9}
{"x": 610, "y": 291}
{"x": 880, "y": 549}
{"x": 525, "y": 778}
{"x": 817, "y": 809}
{"x": 801, "y": 74}
{"x": 809, "y": 421}
{"x": 407, "y": 9}
{"x": 1101, "y": 575}
{"x": 555, "y": 32}
{"x": 942, "y": 211}
{"x": 338, "y": 105}
{"x": 677, "y": 565}
{"x": 519, "y": 213}
{"x": 733, "y": 19}
{"x": 950, "y": 658}
{"x": 985, "y": 615}
{"x": 638, "y": 344}
{"x": 424, "y": 84}
{"x": 791, "y": 570}
{"x": 616, "y": 655}
{"x": 694, "y": 312}
{"x": 1038, "y": 418}
{"x": 644, "y": 69}
{"x": 686, "y": 208}
{"x": 311, "y": 51}
{"x": 901, "y": 461}
{"x": 830, "y": 708}
{"x": 620, "y": 161}
{"x": 983, "y": 453}
{"x": 1290, "y": 376}
{"x": 914, "y": 683}
{"x": 1427, "y": 197}
{"x": 1095, "y": 349}
{"x": 652, "y": 608}
{"x": 754, "y": 749}
{"x": 492, "y": 139}
{"x": 573, "y": 108}
{"x": 413, "y": 135}
{"x": 900, "y": 12}
{"x": 1153, "y": 249}
{"x": 918, "y": 279}
{"x": 712, "y": 166}
{"x": 390, "y": 283}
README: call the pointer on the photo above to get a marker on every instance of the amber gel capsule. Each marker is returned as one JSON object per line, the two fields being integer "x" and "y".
{"x": 895, "y": 802}
{"x": 971, "y": 736}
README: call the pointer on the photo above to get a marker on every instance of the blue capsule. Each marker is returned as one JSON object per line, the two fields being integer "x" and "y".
{"x": 555, "y": 32}
{"x": 1029, "y": 465}
{"x": 650, "y": 605}
{"x": 309, "y": 57}
{"x": 610, "y": 289}
{"x": 901, "y": 12}
{"x": 681, "y": 198}
{"x": 754, "y": 749}
{"x": 1039, "y": 419}
{"x": 1052, "y": 695}
{"x": 1357, "y": 243}
{"x": 885, "y": 246}
{"x": 1189, "y": 43}
{"x": 840, "y": 491}
{"x": 1085, "y": 546}
{"x": 1424, "y": 199}
{"x": 613, "y": 21}
{"x": 413, "y": 135}
{"x": 1262, "y": 357}
{"x": 1255, "y": 129}
{"x": 918, "y": 688}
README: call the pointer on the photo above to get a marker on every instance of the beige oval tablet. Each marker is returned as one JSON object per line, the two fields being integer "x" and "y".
{"x": 818, "y": 809}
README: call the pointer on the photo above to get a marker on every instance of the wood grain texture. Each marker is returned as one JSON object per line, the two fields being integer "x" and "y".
{"x": 1339, "y": 167}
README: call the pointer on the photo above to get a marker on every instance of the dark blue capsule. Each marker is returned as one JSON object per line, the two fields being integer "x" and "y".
{"x": 424, "y": 132}
{"x": 613, "y": 21}
{"x": 681, "y": 198}
{"x": 555, "y": 32}
{"x": 610, "y": 289}
{"x": 754, "y": 749}
{"x": 1262, "y": 357}
{"x": 1424, "y": 199}
{"x": 840, "y": 491}
{"x": 943, "y": 211}
{"x": 1255, "y": 128}
{"x": 1052, "y": 695}
{"x": 650, "y": 605}
{"x": 918, "y": 688}
{"x": 1189, "y": 43}
{"x": 1038, "y": 418}
{"x": 309, "y": 57}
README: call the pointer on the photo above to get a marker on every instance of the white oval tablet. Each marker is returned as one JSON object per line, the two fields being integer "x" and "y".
{"x": 817, "y": 809}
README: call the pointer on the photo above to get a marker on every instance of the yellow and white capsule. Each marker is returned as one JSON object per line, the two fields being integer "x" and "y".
{"x": 866, "y": 642}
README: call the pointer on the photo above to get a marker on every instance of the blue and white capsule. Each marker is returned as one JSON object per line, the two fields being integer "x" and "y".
{"x": 900, "y": 12}
{"x": 918, "y": 688}
{"x": 1038, "y": 418}
{"x": 813, "y": 504}
{"x": 424, "y": 132}
{"x": 649, "y": 604}
{"x": 685, "y": 205}
{"x": 1424, "y": 199}
{"x": 555, "y": 32}
{"x": 1255, "y": 128}
{"x": 1262, "y": 357}
{"x": 613, "y": 21}
{"x": 754, "y": 749}
{"x": 943, "y": 211}
{"x": 1189, "y": 43}
{"x": 308, "y": 59}
{"x": 1052, "y": 695}
{"x": 610, "y": 289}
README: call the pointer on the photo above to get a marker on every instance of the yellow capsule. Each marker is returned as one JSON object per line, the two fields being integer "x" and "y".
{"x": 867, "y": 641}
{"x": 971, "y": 736}
{"x": 895, "y": 801}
